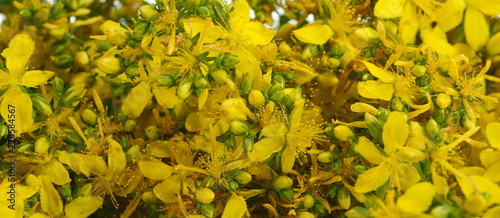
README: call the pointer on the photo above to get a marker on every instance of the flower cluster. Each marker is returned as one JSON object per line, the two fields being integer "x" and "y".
{"x": 198, "y": 108}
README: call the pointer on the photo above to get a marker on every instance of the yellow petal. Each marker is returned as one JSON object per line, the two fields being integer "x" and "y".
{"x": 492, "y": 213}
{"x": 49, "y": 198}
{"x": 240, "y": 16}
{"x": 477, "y": 31}
{"x": 314, "y": 33}
{"x": 196, "y": 122}
{"x": 487, "y": 7}
{"x": 408, "y": 24}
{"x": 38, "y": 215}
{"x": 451, "y": 14}
{"x": 417, "y": 198}
{"x": 83, "y": 207}
{"x": 20, "y": 49}
{"x": 376, "y": 90}
{"x": 407, "y": 175}
{"x": 137, "y": 99}
{"x": 395, "y": 132}
{"x": 412, "y": 155}
{"x": 368, "y": 150}
{"x": 469, "y": 171}
{"x": 235, "y": 207}
{"x": 258, "y": 33}
{"x": 488, "y": 157}
{"x": 493, "y": 172}
{"x": 387, "y": 9}
{"x": 471, "y": 184}
{"x": 18, "y": 102}
{"x": 436, "y": 38}
{"x": 264, "y": 148}
{"x": 372, "y": 178}
{"x": 440, "y": 184}
{"x": 274, "y": 130}
{"x": 34, "y": 78}
{"x": 384, "y": 76}
{"x": 57, "y": 173}
{"x": 492, "y": 134}
{"x": 168, "y": 189}
{"x": 360, "y": 107}
{"x": 155, "y": 170}
{"x": 493, "y": 45}
{"x": 166, "y": 97}
{"x": 5, "y": 79}
{"x": 287, "y": 159}
{"x": 117, "y": 160}
{"x": 298, "y": 110}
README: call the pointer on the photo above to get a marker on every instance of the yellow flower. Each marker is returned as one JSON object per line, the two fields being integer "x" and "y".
{"x": 14, "y": 101}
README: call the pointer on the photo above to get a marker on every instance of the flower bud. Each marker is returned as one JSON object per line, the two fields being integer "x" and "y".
{"x": 468, "y": 122}
{"x": 72, "y": 94}
{"x": 219, "y": 75}
{"x": 248, "y": 144}
{"x": 207, "y": 210}
{"x": 59, "y": 33}
{"x": 43, "y": 14}
{"x": 423, "y": 81}
{"x": 140, "y": 28}
{"x": 149, "y": 12}
{"x": 432, "y": 128}
{"x": 42, "y": 145}
{"x": 203, "y": 11}
{"x": 243, "y": 177}
{"x": 118, "y": 36}
{"x": 25, "y": 147}
{"x": 333, "y": 63}
{"x": 246, "y": 84}
{"x": 132, "y": 153}
{"x": 65, "y": 192}
{"x": 337, "y": 51}
{"x": 419, "y": 70}
{"x": 327, "y": 79}
{"x": 130, "y": 125}
{"x": 277, "y": 96}
{"x": 326, "y": 157}
{"x": 443, "y": 100}
{"x": 149, "y": 197}
{"x": 109, "y": 65}
{"x": 287, "y": 193}
{"x": 25, "y": 13}
{"x": 305, "y": 214}
{"x": 132, "y": 72}
{"x": 81, "y": 59}
{"x": 89, "y": 117}
{"x": 344, "y": 198}
{"x": 204, "y": 195}
{"x": 256, "y": 98}
{"x": 359, "y": 169}
{"x": 233, "y": 185}
{"x": 153, "y": 132}
{"x": 184, "y": 89}
{"x": 229, "y": 61}
{"x": 366, "y": 34}
{"x": 41, "y": 104}
{"x": 57, "y": 84}
{"x": 475, "y": 203}
{"x": 72, "y": 138}
{"x": 374, "y": 126}
{"x": 282, "y": 182}
{"x": 200, "y": 82}
{"x": 308, "y": 201}
{"x": 397, "y": 104}
{"x": 84, "y": 190}
{"x": 342, "y": 133}
{"x": 64, "y": 61}
{"x": 166, "y": 80}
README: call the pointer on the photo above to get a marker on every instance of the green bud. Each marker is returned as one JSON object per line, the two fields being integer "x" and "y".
{"x": 243, "y": 177}
{"x": 41, "y": 104}
{"x": 282, "y": 182}
{"x": 89, "y": 117}
{"x": 238, "y": 127}
{"x": 149, "y": 12}
{"x": 42, "y": 145}
{"x": 26, "y": 13}
{"x": 344, "y": 198}
{"x": 153, "y": 132}
{"x": 57, "y": 84}
{"x": 442, "y": 211}
{"x": 423, "y": 81}
{"x": 432, "y": 128}
{"x": 166, "y": 80}
{"x": 72, "y": 138}
{"x": 328, "y": 79}
{"x": 72, "y": 94}
{"x": 419, "y": 70}
{"x": 201, "y": 82}
{"x": 246, "y": 84}
{"x": 278, "y": 96}
{"x": 443, "y": 100}
{"x": 333, "y": 63}
{"x": 287, "y": 193}
{"x": 397, "y": 104}
{"x": 203, "y": 11}
{"x": 326, "y": 157}
{"x": 367, "y": 76}
{"x": 149, "y": 197}
{"x": 207, "y": 210}
{"x": 337, "y": 51}
{"x": 42, "y": 15}
{"x": 248, "y": 144}
{"x": 468, "y": 122}
{"x": 64, "y": 61}
{"x": 118, "y": 36}
{"x": 366, "y": 34}
{"x": 59, "y": 33}
{"x": 219, "y": 75}
{"x": 109, "y": 65}
{"x": 229, "y": 143}
{"x": 289, "y": 75}
{"x": 204, "y": 195}
{"x": 233, "y": 185}
{"x": 319, "y": 209}
{"x": 308, "y": 201}
{"x": 256, "y": 98}
{"x": 25, "y": 147}
{"x": 359, "y": 169}
{"x": 140, "y": 28}
{"x": 84, "y": 190}
{"x": 88, "y": 131}
{"x": 310, "y": 51}
{"x": 305, "y": 214}
{"x": 184, "y": 89}
{"x": 81, "y": 59}
{"x": 132, "y": 72}
{"x": 130, "y": 125}
{"x": 342, "y": 133}
{"x": 71, "y": 149}
{"x": 229, "y": 61}
{"x": 65, "y": 191}
{"x": 3, "y": 130}
{"x": 132, "y": 153}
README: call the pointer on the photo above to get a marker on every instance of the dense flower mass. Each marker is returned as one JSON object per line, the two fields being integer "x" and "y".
{"x": 199, "y": 108}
